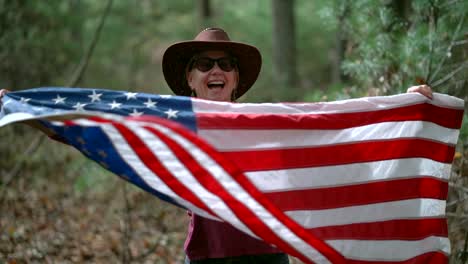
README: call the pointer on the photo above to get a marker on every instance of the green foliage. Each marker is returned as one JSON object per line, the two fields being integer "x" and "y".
{"x": 32, "y": 41}
{"x": 392, "y": 51}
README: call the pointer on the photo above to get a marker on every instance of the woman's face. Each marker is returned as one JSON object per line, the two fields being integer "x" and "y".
{"x": 214, "y": 84}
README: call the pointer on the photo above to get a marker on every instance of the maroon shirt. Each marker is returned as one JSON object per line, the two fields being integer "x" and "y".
{"x": 212, "y": 239}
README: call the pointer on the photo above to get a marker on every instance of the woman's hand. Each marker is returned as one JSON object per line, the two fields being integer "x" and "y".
{"x": 422, "y": 89}
{"x": 2, "y": 92}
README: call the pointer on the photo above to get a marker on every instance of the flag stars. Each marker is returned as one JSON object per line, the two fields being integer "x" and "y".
{"x": 135, "y": 113}
{"x": 171, "y": 113}
{"x": 79, "y": 106}
{"x": 115, "y": 105}
{"x": 24, "y": 100}
{"x": 150, "y": 104}
{"x": 59, "y": 100}
{"x": 95, "y": 97}
{"x": 131, "y": 95}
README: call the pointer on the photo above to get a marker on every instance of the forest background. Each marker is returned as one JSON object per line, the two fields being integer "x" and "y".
{"x": 57, "y": 206}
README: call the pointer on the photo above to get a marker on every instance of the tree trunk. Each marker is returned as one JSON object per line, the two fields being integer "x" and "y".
{"x": 342, "y": 11}
{"x": 284, "y": 44}
{"x": 205, "y": 13}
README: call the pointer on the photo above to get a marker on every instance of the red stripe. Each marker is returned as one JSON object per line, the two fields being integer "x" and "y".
{"x": 427, "y": 258}
{"x": 154, "y": 164}
{"x": 408, "y": 229}
{"x": 446, "y": 117}
{"x": 274, "y": 159}
{"x": 359, "y": 194}
{"x": 240, "y": 209}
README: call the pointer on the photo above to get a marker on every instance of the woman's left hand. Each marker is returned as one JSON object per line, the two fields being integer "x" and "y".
{"x": 422, "y": 89}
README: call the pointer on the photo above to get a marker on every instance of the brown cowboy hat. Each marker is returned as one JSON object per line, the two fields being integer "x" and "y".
{"x": 178, "y": 55}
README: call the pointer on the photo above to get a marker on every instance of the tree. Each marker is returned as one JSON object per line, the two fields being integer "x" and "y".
{"x": 205, "y": 13}
{"x": 342, "y": 12}
{"x": 284, "y": 43}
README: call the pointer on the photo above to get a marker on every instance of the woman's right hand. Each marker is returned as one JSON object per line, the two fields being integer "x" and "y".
{"x": 2, "y": 92}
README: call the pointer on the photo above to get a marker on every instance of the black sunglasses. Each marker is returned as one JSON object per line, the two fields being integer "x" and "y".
{"x": 205, "y": 64}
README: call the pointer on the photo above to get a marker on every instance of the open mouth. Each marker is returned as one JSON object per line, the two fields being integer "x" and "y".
{"x": 216, "y": 84}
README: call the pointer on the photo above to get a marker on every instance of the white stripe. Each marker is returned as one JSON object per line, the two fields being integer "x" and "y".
{"x": 131, "y": 158}
{"x": 15, "y": 117}
{"x": 405, "y": 209}
{"x": 242, "y": 196}
{"x": 169, "y": 160}
{"x": 329, "y": 176}
{"x": 390, "y": 250}
{"x": 245, "y": 139}
{"x": 344, "y": 106}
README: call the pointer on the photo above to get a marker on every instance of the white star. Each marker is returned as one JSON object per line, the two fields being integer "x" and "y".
{"x": 136, "y": 113}
{"x": 114, "y": 104}
{"x": 131, "y": 95}
{"x": 150, "y": 104}
{"x": 95, "y": 96}
{"x": 59, "y": 100}
{"x": 79, "y": 107}
{"x": 24, "y": 100}
{"x": 38, "y": 109}
{"x": 171, "y": 113}
{"x": 166, "y": 96}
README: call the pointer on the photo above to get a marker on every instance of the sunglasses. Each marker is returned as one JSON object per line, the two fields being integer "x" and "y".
{"x": 205, "y": 64}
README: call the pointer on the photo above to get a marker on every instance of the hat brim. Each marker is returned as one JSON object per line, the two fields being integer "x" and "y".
{"x": 177, "y": 56}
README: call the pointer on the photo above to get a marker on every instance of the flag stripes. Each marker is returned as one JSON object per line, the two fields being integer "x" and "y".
{"x": 274, "y": 159}
{"x": 348, "y": 174}
{"x": 273, "y": 235}
{"x": 400, "y": 229}
{"x": 291, "y": 138}
{"x": 351, "y": 195}
{"x": 442, "y": 116}
{"x": 404, "y": 209}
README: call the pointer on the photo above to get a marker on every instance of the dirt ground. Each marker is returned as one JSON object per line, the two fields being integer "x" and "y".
{"x": 52, "y": 223}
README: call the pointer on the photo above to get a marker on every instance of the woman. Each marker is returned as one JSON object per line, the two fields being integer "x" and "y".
{"x": 214, "y": 68}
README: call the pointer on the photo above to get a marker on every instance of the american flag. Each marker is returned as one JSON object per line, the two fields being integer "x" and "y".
{"x": 354, "y": 181}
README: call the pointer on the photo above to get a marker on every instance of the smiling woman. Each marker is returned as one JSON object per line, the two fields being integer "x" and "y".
{"x": 213, "y": 57}
{"x": 213, "y": 76}
{"x": 213, "y": 67}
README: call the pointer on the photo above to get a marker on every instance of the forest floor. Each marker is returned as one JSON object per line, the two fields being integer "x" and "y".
{"x": 52, "y": 223}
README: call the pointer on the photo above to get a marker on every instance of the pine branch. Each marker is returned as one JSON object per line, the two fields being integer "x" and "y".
{"x": 449, "y": 75}
{"x": 460, "y": 42}
{"x": 452, "y": 42}
{"x": 432, "y": 29}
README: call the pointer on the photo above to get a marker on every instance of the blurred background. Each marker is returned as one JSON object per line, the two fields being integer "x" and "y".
{"x": 56, "y": 206}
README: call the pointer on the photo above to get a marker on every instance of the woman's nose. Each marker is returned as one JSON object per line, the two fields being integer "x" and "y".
{"x": 216, "y": 68}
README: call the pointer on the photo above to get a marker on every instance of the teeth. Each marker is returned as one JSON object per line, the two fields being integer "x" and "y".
{"x": 216, "y": 83}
